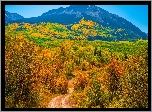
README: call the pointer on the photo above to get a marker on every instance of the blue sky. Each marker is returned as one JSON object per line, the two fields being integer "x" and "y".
{"x": 136, "y": 14}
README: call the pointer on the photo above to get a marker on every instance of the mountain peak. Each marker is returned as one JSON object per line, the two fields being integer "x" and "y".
{"x": 82, "y": 6}
{"x": 74, "y": 13}
{"x": 79, "y": 5}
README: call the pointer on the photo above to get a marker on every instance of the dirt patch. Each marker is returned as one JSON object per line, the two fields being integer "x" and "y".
{"x": 63, "y": 101}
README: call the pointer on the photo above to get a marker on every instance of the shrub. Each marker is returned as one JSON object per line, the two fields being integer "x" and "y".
{"x": 18, "y": 74}
{"x": 81, "y": 81}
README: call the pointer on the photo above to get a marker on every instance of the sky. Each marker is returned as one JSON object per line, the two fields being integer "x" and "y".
{"x": 136, "y": 14}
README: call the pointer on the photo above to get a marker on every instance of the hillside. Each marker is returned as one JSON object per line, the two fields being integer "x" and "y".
{"x": 40, "y": 60}
{"x": 12, "y": 16}
{"x": 74, "y": 13}
{"x": 84, "y": 29}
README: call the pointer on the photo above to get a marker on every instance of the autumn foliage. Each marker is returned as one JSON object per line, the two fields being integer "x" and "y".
{"x": 41, "y": 58}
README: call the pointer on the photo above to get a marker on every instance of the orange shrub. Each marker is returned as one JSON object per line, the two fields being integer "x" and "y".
{"x": 81, "y": 80}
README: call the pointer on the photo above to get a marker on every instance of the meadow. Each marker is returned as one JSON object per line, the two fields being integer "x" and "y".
{"x": 40, "y": 59}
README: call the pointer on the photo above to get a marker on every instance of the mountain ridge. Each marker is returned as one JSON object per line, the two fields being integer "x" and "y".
{"x": 12, "y": 16}
{"x": 74, "y": 13}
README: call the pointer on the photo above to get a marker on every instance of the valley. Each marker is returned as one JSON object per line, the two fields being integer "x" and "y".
{"x": 82, "y": 64}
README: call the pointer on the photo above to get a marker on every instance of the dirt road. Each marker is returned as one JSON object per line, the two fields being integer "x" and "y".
{"x": 63, "y": 101}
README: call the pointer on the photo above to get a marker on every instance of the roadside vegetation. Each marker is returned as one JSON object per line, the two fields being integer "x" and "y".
{"x": 40, "y": 59}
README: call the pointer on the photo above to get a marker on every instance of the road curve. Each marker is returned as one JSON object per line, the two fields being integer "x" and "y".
{"x": 62, "y": 101}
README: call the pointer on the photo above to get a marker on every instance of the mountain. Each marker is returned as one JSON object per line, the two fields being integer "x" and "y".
{"x": 147, "y": 34}
{"x": 12, "y": 16}
{"x": 74, "y": 13}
